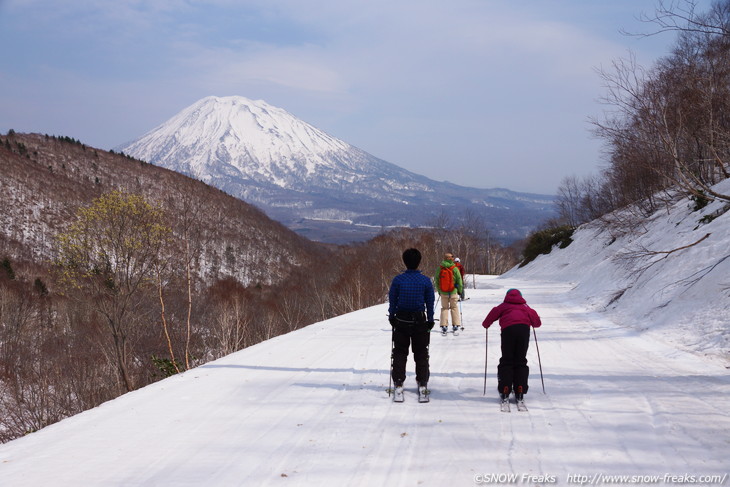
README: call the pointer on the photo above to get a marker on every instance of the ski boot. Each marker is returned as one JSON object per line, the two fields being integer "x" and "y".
{"x": 519, "y": 395}
{"x": 520, "y": 399}
{"x": 398, "y": 394}
{"x": 504, "y": 397}
{"x": 423, "y": 393}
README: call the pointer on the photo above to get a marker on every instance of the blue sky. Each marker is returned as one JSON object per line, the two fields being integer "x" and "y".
{"x": 483, "y": 93}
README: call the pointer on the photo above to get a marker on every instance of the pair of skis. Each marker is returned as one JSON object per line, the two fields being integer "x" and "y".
{"x": 455, "y": 330}
{"x": 505, "y": 407}
{"x": 423, "y": 394}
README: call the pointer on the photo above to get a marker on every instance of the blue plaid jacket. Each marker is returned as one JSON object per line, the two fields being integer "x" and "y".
{"x": 411, "y": 291}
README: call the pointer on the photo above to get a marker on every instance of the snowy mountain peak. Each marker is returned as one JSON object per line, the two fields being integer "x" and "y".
{"x": 312, "y": 182}
{"x": 234, "y": 135}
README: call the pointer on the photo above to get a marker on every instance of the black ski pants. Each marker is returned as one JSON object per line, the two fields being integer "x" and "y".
{"x": 414, "y": 335}
{"x": 512, "y": 370}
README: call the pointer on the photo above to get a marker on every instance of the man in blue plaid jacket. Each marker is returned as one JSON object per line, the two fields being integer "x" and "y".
{"x": 411, "y": 299}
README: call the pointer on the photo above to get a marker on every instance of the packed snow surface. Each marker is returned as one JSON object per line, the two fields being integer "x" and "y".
{"x": 311, "y": 408}
{"x": 634, "y": 354}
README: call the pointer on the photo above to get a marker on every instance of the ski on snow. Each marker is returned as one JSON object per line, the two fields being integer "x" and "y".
{"x": 454, "y": 330}
{"x": 505, "y": 407}
{"x": 423, "y": 394}
{"x": 398, "y": 395}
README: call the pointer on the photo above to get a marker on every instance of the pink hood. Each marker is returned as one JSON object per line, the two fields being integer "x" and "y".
{"x": 514, "y": 296}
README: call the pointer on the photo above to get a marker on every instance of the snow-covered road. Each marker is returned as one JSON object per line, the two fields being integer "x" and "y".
{"x": 310, "y": 408}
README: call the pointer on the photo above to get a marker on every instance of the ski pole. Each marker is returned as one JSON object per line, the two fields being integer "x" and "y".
{"x": 486, "y": 352}
{"x": 390, "y": 374}
{"x": 538, "y": 360}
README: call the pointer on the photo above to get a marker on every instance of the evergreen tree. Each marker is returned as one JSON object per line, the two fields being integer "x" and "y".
{"x": 7, "y": 269}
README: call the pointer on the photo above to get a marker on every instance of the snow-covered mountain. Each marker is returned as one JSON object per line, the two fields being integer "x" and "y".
{"x": 313, "y": 182}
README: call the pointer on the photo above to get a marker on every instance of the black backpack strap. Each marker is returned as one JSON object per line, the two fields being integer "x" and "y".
{"x": 410, "y": 322}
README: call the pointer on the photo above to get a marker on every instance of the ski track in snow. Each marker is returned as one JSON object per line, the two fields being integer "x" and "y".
{"x": 311, "y": 408}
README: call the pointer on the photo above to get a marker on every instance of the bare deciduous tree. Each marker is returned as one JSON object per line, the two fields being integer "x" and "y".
{"x": 668, "y": 126}
{"x": 110, "y": 253}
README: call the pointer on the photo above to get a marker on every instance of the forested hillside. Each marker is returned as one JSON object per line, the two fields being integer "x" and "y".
{"x": 115, "y": 273}
{"x": 46, "y": 179}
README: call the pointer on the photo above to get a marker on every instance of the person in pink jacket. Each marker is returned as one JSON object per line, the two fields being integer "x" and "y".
{"x": 515, "y": 319}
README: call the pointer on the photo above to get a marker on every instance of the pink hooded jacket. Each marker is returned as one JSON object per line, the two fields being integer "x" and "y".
{"x": 512, "y": 311}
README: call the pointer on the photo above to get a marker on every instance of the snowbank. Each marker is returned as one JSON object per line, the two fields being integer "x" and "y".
{"x": 680, "y": 297}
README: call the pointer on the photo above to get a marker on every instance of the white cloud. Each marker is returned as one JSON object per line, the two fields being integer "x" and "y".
{"x": 302, "y": 69}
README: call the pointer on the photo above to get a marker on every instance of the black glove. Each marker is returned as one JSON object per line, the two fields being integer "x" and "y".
{"x": 393, "y": 321}
{"x": 429, "y": 325}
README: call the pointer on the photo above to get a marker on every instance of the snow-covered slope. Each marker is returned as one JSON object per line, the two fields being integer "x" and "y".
{"x": 668, "y": 279}
{"x": 633, "y": 360}
{"x": 303, "y": 177}
{"x": 310, "y": 408}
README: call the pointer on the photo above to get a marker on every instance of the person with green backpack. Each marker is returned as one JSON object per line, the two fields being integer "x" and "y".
{"x": 449, "y": 285}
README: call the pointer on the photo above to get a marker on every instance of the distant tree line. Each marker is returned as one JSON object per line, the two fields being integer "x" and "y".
{"x": 15, "y": 145}
{"x": 69, "y": 140}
